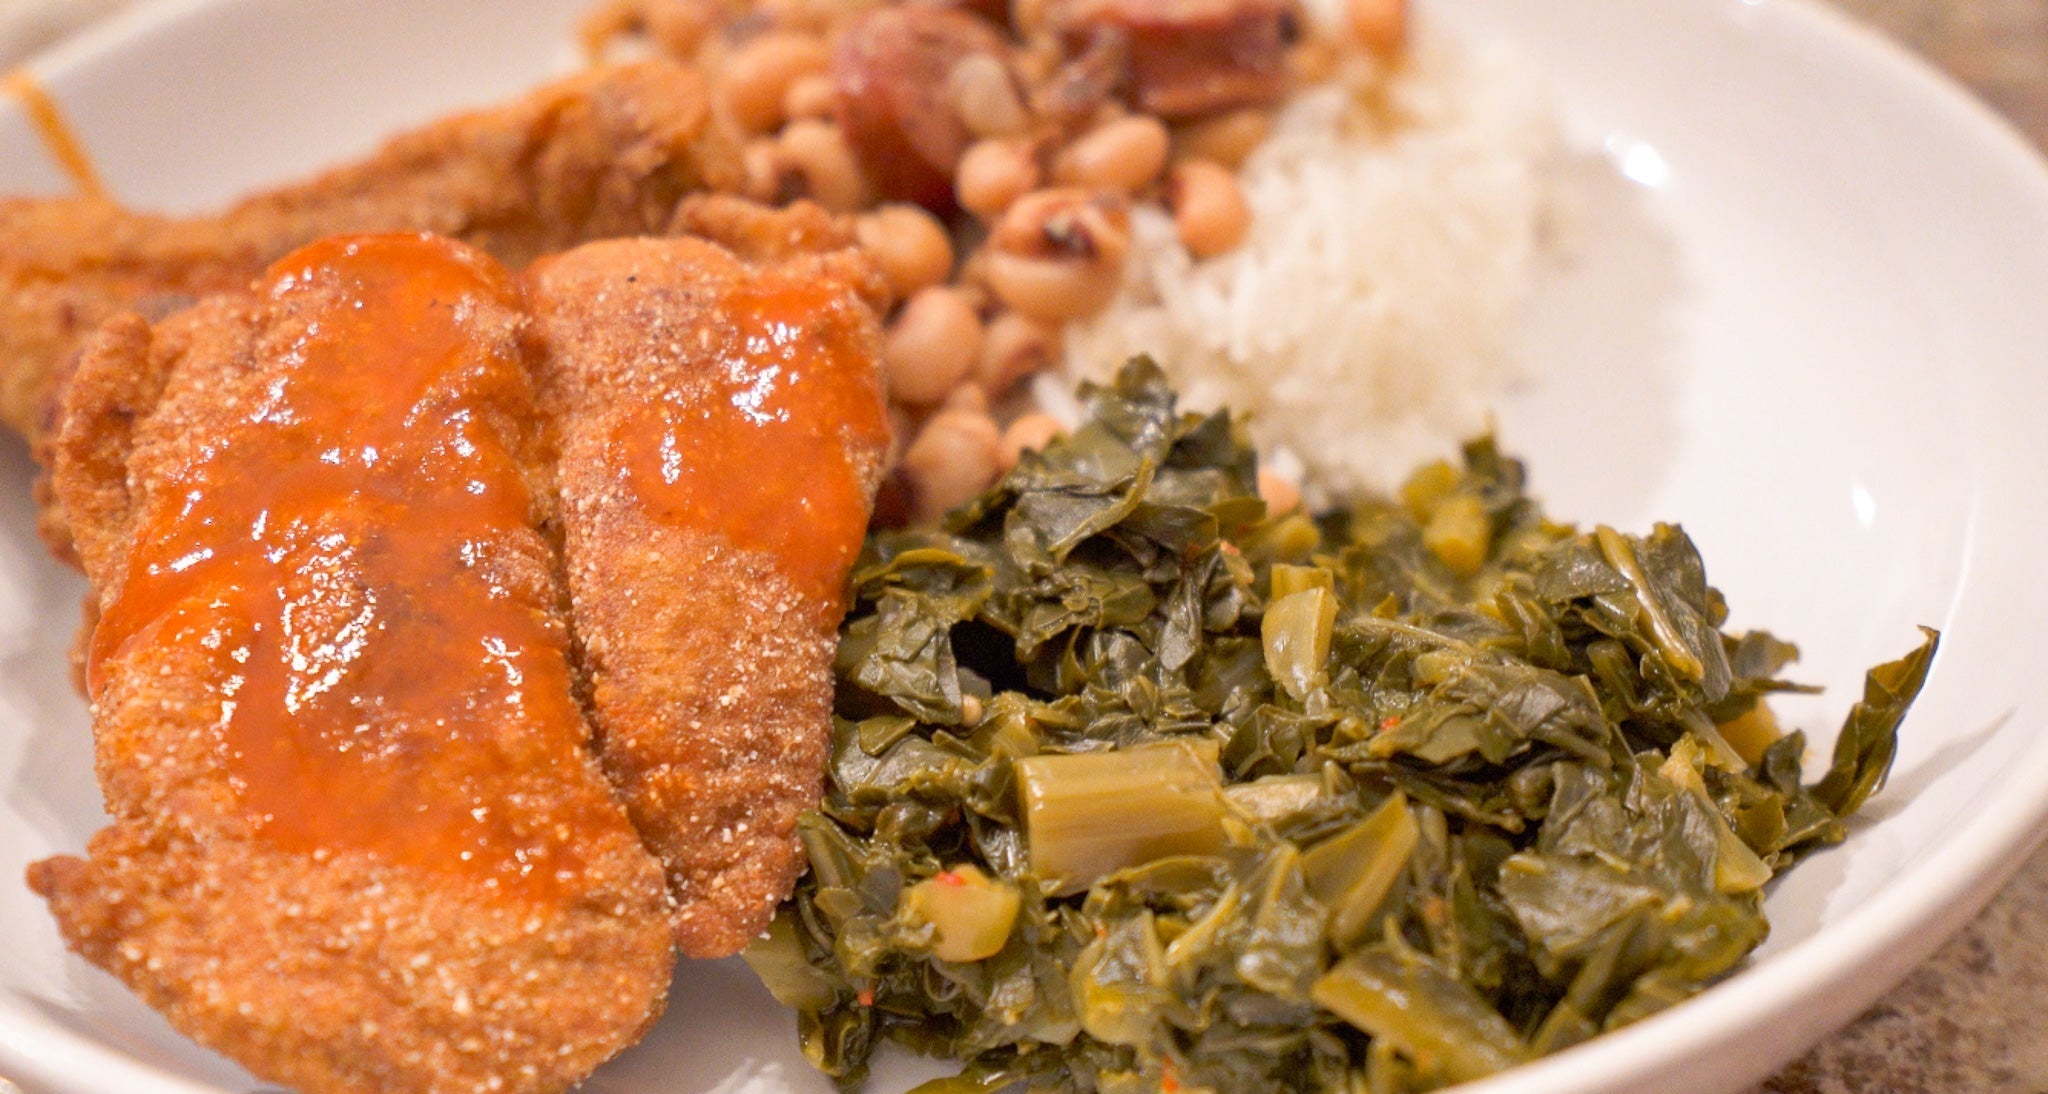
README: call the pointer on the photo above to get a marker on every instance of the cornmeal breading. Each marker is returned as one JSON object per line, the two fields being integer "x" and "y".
{"x": 721, "y": 428}
{"x": 428, "y": 602}
{"x": 360, "y": 840}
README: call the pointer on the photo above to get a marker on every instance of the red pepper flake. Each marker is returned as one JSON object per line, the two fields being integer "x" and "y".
{"x": 1169, "y": 1079}
{"x": 1389, "y": 722}
{"x": 949, "y": 877}
{"x": 866, "y": 996}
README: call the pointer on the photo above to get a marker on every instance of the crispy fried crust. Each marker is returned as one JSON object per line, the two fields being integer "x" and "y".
{"x": 707, "y": 633}
{"x": 343, "y": 967}
{"x": 603, "y": 153}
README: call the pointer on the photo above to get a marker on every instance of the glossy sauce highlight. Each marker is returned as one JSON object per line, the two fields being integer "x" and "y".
{"x": 761, "y": 459}
{"x": 352, "y": 559}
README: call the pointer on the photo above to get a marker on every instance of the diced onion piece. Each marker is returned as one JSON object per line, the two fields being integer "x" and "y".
{"x": 970, "y": 913}
{"x": 1460, "y": 534}
{"x": 1428, "y": 486}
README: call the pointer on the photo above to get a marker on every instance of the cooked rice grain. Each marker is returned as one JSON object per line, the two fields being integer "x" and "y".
{"x": 1363, "y": 323}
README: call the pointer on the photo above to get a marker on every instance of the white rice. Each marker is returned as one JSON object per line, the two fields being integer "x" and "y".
{"x": 1395, "y": 235}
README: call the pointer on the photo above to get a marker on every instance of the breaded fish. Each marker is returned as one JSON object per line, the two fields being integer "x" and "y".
{"x": 360, "y": 840}
{"x": 722, "y": 428}
{"x": 603, "y": 153}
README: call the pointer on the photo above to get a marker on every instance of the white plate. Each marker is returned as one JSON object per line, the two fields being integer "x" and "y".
{"x": 1805, "y": 316}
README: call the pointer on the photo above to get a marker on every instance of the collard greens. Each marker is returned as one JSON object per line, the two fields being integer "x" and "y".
{"x": 1134, "y": 788}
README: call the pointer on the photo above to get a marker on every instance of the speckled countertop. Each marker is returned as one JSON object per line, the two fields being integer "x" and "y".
{"x": 1974, "y": 1020}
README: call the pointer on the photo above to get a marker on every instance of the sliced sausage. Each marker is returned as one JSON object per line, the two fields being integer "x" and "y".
{"x": 893, "y": 69}
{"x": 1191, "y": 57}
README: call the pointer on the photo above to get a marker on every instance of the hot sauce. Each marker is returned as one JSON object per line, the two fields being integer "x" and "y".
{"x": 353, "y": 559}
{"x": 762, "y": 461}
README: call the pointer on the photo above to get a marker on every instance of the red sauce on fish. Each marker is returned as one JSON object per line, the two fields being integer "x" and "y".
{"x": 761, "y": 456}
{"x": 333, "y": 557}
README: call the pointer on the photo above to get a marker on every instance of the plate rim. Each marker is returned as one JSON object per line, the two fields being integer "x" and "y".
{"x": 1925, "y": 903}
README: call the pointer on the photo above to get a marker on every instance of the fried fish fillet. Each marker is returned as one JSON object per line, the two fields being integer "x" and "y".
{"x": 603, "y": 153}
{"x": 359, "y": 838}
{"x": 721, "y": 426}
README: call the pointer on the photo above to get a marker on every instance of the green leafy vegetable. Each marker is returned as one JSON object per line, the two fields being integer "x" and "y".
{"x": 1135, "y": 788}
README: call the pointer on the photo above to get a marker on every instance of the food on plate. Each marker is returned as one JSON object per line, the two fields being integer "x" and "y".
{"x": 721, "y": 431}
{"x": 1140, "y": 785}
{"x": 1395, "y": 227}
{"x": 1015, "y": 166}
{"x": 1286, "y": 201}
{"x": 606, "y": 152}
{"x": 908, "y": 90}
{"x": 461, "y": 644}
{"x": 360, "y": 839}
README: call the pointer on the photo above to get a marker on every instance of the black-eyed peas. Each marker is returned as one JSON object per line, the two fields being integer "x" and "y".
{"x": 1023, "y": 131}
{"x": 1227, "y": 139}
{"x": 1280, "y": 492}
{"x": 909, "y": 245}
{"x": 1312, "y": 61}
{"x": 1029, "y": 16}
{"x": 812, "y": 96}
{"x": 902, "y": 427}
{"x": 956, "y": 455}
{"x": 1029, "y": 433}
{"x": 1014, "y": 347}
{"x": 1125, "y": 154}
{"x": 1209, "y": 209}
{"x": 1058, "y": 255}
{"x": 931, "y": 346}
{"x": 994, "y": 173}
{"x": 817, "y": 153}
{"x": 762, "y": 161}
{"x": 757, "y": 76}
{"x": 966, "y": 397}
{"x": 987, "y": 97}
